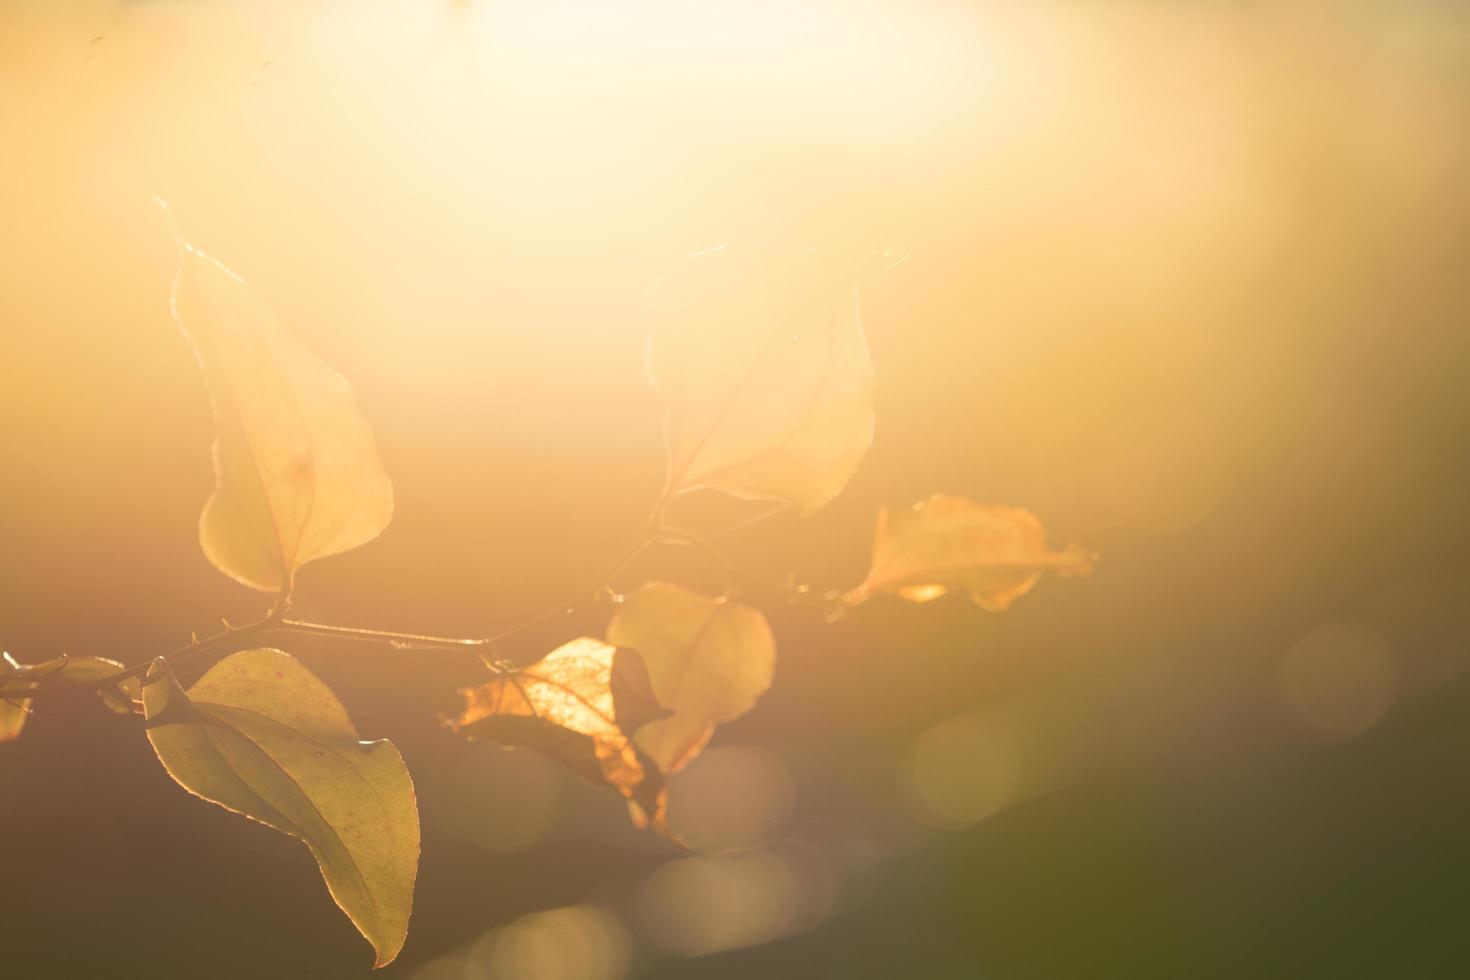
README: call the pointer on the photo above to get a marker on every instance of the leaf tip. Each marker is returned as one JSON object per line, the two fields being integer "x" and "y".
{"x": 383, "y": 956}
{"x": 1080, "y": 561}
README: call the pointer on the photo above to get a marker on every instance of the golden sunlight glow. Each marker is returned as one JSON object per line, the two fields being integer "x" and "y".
{"x": 1186, "y": 284}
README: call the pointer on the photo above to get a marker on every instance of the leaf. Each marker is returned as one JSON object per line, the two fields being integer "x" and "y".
{"x": 297, "y": 474}
{"x": 994, "y": 554}
{"x": 18, "y": 678}
{"x": 14, "y": 713}
{"x": 579, "y": 704}
{"x": 766, "y": 372}
{"x": 709, "y": 660}
{"x": 123, "y": 698}
{"x": 261, "y": 736}
{"x": 634, "y": 703}
{"x": 15, "y": 708}
{"x": 13, "y": 672}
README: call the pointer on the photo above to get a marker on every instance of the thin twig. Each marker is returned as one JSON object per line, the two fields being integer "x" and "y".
{"x": 737, "y": 571}
{"x": 778, "y": 507}
{"x": 276, "y": 623}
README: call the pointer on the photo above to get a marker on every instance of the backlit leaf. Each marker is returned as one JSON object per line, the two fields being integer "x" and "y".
{"x": 297, "y": 474}
{"x": 18, "y": 678}
{"x": 709, "y": 660}
{"x": 766, "y": 372}
{"x": 13, "y": 672}
{"x": 261, "y": 736}
{"x": 14, "y": 713}
{"x": 15, "y": 707}
{"x": 943, "y": 544}
{"x": 579, "y": 704}
{"x": 124, "y": 697}
{"x": 15, "y": 710}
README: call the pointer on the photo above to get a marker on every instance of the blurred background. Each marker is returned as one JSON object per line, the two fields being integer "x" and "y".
{"x": 1187, "y": 279}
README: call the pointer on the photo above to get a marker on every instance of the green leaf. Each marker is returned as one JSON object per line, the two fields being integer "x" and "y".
{"x": 15, "y": 709}
{"x": 18, "y": 679}
{"x": 261, "y": 736}
{"x": 122, "y": 697}
{"x": 13, "y": 672}
{"x": 85, "y": 670}
{"x": 766, "y": 373}
{"x": 297, "y": 474}
{"x": 708, "y": 660}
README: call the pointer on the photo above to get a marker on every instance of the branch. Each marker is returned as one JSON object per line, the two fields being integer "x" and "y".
{"x": 673, "y": 535}
{"x": 277, "y": 623}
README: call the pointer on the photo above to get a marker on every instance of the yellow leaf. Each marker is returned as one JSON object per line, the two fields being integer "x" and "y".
{"x": 993, "y": 554}
{"x": 297, "y": 474}
{"x": 709, "y": 661}
{"x": 261, "y": 736}
{"x": 766, "y": 372}
{"x": 579, "y": 704}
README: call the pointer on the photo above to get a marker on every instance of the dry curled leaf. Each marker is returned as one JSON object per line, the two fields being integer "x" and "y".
{"x": 943, "y": 544}
{"x": 260, "y": 735}
{"x": 580, "y": 704}
{"x": 766, "y": 372}
{"x": 297, "y": 474}
{"x": 709, "y": 661}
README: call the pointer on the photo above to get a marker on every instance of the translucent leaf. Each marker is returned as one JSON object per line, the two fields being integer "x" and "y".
{"x": 13, "y": 672}
{"x": 14, "y": 713}
{"x": 766, "y": 372}
{"x": 261, "y": 736}
{"x": 123, "y": 698}
{"x": 297, "y": 474}
{"x": 943, "y": 544}
{"x": 17, "y": 678}
{"x": 709, "y": 661}
{"x": 579, "y": 704}
{"x": 15, "y": 710}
